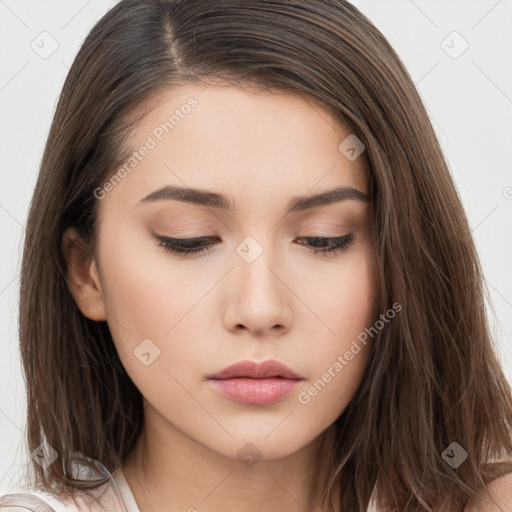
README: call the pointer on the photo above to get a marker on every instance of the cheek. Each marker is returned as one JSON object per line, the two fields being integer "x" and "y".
{"x": 342, "y": 296}
{"x": 150, "y": 296}
{"x": 355, "y": 297}
{"x": 346, "y": 306}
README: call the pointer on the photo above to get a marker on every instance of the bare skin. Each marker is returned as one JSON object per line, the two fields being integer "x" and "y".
{"x": 206, "y": 311}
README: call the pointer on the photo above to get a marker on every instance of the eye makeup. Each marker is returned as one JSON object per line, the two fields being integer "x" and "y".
{"x": 198, "y": 245}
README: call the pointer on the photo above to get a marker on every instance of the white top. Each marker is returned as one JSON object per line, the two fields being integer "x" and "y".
{"x": 126, "y": 492}
{"x": 116, "y": 496}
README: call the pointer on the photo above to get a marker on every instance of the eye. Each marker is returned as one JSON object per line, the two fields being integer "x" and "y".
{"x": 334, "y": 244}
{"x": 200, "y": 244}
{"x": 186, "y": 245}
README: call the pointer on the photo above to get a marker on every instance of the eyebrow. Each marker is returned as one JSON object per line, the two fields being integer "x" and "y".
{"x": 215, "y": 200}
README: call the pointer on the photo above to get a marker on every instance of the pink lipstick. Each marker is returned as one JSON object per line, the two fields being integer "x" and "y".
{"x": 255, "y": 383}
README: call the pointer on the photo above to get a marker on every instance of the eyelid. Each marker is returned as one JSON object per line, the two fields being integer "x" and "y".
{"x": 190, "y": 247}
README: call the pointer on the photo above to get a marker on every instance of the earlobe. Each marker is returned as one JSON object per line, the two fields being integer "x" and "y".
{"x": 82, "y": 276}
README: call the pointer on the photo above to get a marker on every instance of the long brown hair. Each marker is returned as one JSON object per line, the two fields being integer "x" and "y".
{"x": 433, "y": 377}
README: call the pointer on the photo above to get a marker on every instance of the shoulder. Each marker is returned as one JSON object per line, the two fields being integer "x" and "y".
{"x": 35, "y": 501}
{"x": 16, "y": 509}
{"x": 24, "y": 502}
{"x": 501, "y": 490}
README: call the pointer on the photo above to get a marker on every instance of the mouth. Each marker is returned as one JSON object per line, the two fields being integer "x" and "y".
{"x": 258, "y": 384}
{"x": 252, "y": 370}
{"x": 255, "y": 391}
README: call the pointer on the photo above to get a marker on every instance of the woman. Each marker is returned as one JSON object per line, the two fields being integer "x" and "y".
{"x": 248, "y": 280}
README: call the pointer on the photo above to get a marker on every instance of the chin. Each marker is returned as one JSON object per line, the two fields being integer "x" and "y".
{"x": 257, "y": 447}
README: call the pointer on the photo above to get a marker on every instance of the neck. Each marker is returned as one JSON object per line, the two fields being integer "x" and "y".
{"x": 168, "y": 470}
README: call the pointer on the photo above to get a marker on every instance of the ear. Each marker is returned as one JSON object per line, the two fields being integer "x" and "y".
{"x": 82, "y": 276}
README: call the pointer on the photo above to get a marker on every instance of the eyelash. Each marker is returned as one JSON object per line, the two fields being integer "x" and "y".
{"x": 186, "y": 245}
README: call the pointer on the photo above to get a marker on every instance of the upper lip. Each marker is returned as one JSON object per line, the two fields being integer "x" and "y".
{"x": 253, "y": 370}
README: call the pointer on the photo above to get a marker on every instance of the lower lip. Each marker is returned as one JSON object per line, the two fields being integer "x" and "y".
{"x": 255, "y": 391}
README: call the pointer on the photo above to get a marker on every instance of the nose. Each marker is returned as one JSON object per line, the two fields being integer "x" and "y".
{"x": 258, "y": 296}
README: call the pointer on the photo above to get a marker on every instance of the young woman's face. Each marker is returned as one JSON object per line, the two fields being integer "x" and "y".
{"x": 258, "y": 291}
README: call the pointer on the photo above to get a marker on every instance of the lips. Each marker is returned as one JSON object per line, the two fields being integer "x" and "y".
{"x": 255, "y": 383}
{"x": 249, "y": 369}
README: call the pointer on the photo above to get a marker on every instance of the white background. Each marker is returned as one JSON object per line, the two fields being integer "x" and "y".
{"x": 469, "y": 99}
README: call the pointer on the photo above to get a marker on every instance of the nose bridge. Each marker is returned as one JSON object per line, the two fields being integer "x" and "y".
{"x": 255, "y": 259}
{"x": 259, "y": 298}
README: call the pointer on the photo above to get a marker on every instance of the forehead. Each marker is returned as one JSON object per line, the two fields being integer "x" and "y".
{"x": 237, "y": 139}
